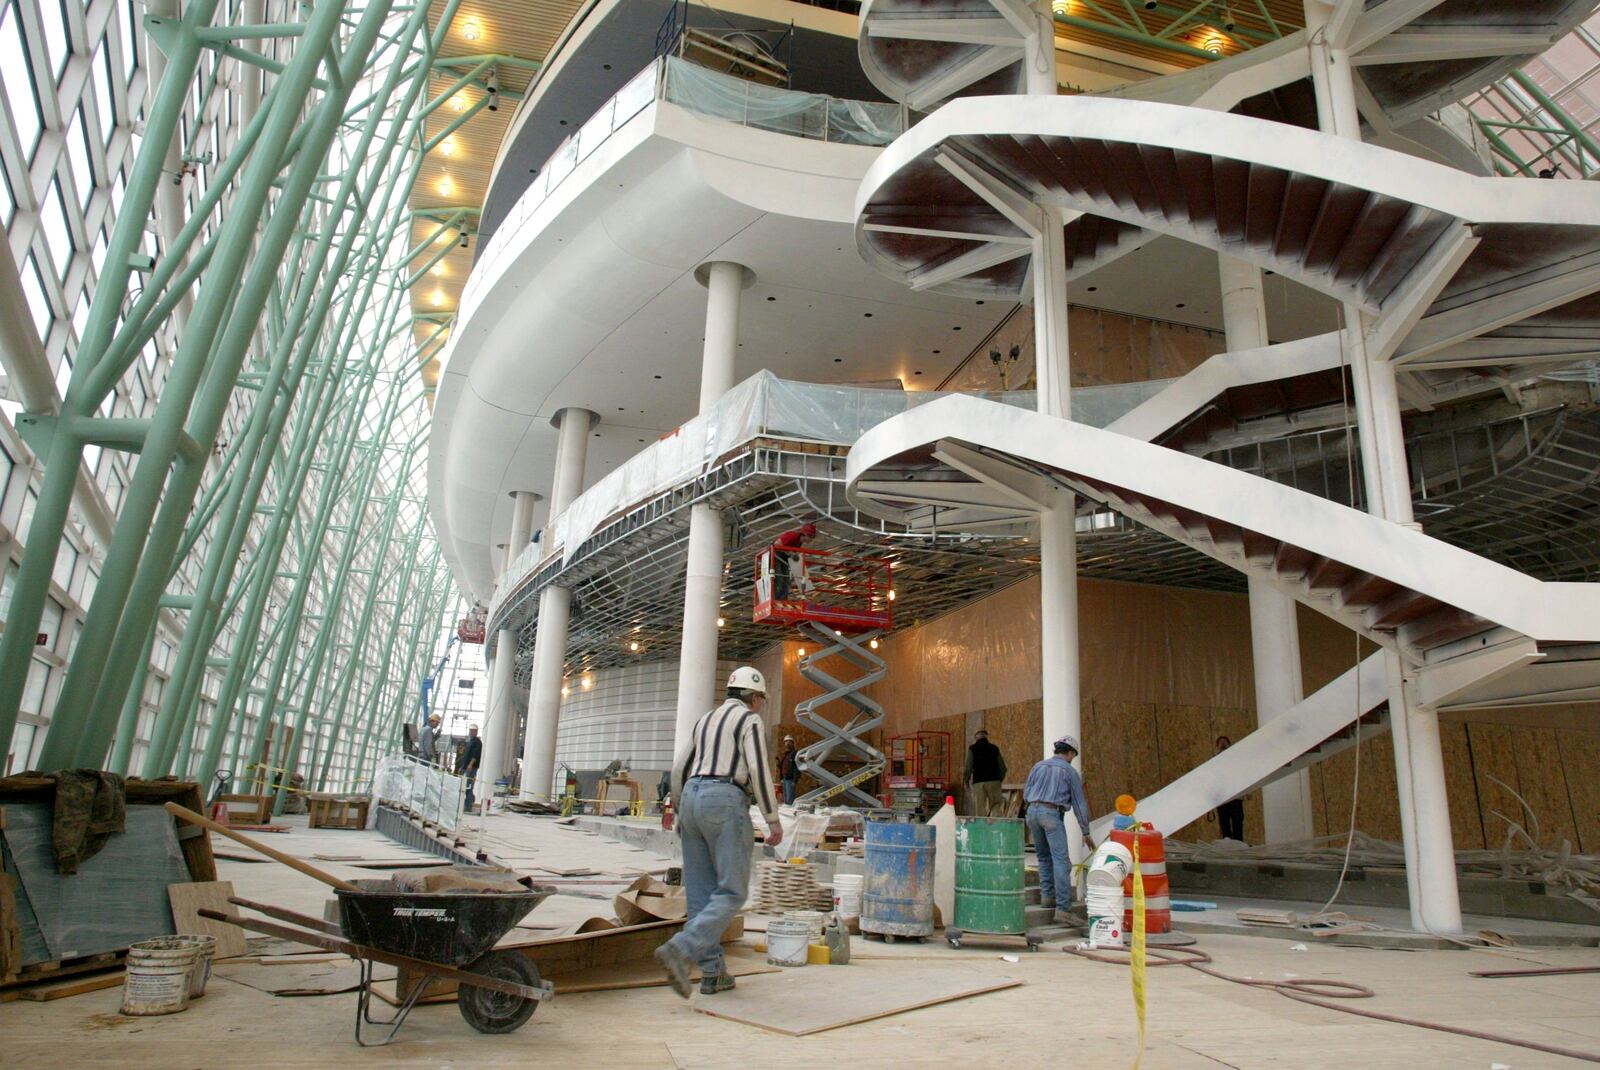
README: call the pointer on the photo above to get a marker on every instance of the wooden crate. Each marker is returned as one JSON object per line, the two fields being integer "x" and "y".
{"x": 248, "y": 809}
{"x": 195, "y": 844}
{"x": 330, "y": 811}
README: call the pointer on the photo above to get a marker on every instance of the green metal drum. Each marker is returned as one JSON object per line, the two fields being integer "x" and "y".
{"x": 989, "y": 875}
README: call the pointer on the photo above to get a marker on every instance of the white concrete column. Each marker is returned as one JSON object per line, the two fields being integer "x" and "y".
{"x": 555, "y": 609}
{"x": 497, "y": 714}
{"x": 702, "y": 587}
{"x": 522, "y": 506}
{"x": 1419, "y": 755}
{"x": 1039, "y": 63}
{"x": 1060, "y": 685}
{"x": 1274, "y": 630}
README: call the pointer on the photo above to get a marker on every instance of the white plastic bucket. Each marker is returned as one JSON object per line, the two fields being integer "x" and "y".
{"x": 159, "y": 973}
{"x": 787, "y": 942}
{"x": 1106, "y": 932}
{"x": 847, "y": 888}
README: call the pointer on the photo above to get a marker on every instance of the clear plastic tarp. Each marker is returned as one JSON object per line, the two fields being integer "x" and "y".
{"x": 784, "y": 111}
{"x": 427, "y": 791}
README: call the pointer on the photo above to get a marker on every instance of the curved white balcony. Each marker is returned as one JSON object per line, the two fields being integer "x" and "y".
{"x": 586, "y": 294}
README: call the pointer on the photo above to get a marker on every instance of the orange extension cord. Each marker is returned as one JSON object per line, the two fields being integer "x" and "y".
{"x": 1319, "y": 992}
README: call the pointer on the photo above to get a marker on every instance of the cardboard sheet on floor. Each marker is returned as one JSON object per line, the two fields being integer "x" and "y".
{"x": 814, "y": 999}
{"x": 316, "y": 979}
{"x": 649, "y": 975}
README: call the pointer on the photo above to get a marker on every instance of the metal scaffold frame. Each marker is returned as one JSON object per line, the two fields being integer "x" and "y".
{"x": 274, "y": 509}
{"x": 847, "y": 741}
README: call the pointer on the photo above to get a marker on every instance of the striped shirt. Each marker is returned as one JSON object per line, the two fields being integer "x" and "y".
{"x": 1055, "y": 782}
{"x": 730, "y": 741}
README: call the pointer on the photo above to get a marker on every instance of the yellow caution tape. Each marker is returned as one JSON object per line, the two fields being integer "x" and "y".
{"x": 1136, "y": 958}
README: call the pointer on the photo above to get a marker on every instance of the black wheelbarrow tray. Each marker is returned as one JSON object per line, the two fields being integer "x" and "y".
{"x": 432, "y": 936}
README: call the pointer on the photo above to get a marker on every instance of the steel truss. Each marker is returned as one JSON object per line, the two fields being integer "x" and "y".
{"x": 284, "y": 290}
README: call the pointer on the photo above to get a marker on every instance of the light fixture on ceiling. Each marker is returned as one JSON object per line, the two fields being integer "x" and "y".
{"x": 493, "y": 87}
{"x": 458, "y": 102}
{"x": 891, "y": 596}
{"x": 634, "y": 646}
{"x": 800, "y": 652}
{"x": 1061, "y": 7}
{"x": 565, "y": 690}
{"x": 448, "y": 146}
{"x": 438, "y": 271}
{"x": 438, "y": 299}
{"x": 588, "y": 682}
{"x": 873, "y": 644}
{"x": 1212, "y": 43}
{"x": 446, "y": 186}
{"x": 470, "y": 31}
{"x": 722, "y": 622}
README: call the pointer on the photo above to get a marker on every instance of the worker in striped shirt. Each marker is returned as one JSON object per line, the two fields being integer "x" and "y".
{"x": 716, "y": 773}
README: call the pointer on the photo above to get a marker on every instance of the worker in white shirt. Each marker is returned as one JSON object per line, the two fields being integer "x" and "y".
{"x": 716, "y": 773}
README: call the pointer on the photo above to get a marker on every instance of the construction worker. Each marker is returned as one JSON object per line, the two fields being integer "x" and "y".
{"x": 789, "y": 770}
{"x": 1230, "y": 815}
{"x": 428, "y": 740}
{"x": 788, "y": 563}
{"x": 1054, "y": 788}
{"x": 471, "y": 759}
{"x": 715, "y": 774}
{"x": 984, "y": 775}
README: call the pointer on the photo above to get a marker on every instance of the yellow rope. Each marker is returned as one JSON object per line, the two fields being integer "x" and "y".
{"x": 1136, "y": 960}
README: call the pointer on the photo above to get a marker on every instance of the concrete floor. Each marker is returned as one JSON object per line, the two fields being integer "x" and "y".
{"x": 1070, "y": 1011}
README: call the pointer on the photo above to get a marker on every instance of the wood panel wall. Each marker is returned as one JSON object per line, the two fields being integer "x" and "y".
{"x": 1166, "y": 671}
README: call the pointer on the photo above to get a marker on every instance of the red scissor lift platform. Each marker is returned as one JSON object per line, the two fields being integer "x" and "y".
{"x": 795, "y": 584}
{"x": 841, "y": 604}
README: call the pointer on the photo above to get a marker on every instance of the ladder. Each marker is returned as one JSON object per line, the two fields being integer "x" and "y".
{"x": 846, "y": 740}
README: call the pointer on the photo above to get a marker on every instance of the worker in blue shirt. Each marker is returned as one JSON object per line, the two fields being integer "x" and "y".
{"x": 1053, "y": 788}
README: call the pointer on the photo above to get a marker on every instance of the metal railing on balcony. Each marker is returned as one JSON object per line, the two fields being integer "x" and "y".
{"x": 719, "y": 96}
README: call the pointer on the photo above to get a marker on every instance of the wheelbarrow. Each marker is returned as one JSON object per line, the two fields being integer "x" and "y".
{"x": 431, "y": 935}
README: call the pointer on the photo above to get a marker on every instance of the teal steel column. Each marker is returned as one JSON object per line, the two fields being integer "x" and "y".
{"x": 62, "y": 464}
{"x": 206, "y": 363}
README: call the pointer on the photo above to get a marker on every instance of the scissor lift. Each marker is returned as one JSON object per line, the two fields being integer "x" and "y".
{"x": 842, "y": 604}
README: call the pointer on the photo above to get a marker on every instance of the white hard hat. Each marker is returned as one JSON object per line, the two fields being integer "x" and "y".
{"x": 747, "y": 679}
{"x": 1069, "y": 741}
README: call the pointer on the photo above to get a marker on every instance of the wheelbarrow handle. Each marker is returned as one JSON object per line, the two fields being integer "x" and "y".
{"x": 184, "y": 813}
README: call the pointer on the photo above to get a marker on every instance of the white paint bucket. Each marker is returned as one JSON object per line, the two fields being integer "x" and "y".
{"x": 811, "y": 918}
{"x": 847, "y": 889}
{"x": 205, "y": 951}
{"x": 788, "y": 941}
{"x": 158, "y": 975}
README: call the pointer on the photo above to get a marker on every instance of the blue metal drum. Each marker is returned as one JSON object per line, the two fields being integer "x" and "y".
{"x": 897, "y": 897}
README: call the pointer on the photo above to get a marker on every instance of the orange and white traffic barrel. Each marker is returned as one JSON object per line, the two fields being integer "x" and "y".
{"x": 1153, "y": 871}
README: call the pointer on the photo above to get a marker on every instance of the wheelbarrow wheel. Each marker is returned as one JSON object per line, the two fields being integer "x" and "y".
{"x": 496, "y": 1012}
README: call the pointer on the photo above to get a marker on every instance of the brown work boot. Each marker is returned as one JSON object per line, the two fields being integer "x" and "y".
{"x": 711, "y": 984}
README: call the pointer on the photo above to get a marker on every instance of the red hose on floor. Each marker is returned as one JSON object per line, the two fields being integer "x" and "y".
{"x": 1318, "y": 992}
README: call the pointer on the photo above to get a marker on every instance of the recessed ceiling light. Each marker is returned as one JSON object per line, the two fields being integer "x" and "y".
{"x": 458, "y": 102}
{"x": 438, "y": 298}
{"x": 470, "y": 31}
{"x": 446, "y": 186}
{"x": 448, "y": 146}
{"x": 438, "y": 270}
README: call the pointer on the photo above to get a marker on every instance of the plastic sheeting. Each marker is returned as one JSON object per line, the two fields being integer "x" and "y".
{"x": 783, "y": 111}
{"x": 426, "y": 790}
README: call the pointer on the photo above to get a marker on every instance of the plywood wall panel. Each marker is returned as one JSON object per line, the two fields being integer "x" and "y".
{"x": 1543, "y": 786}
{"x": 1494, "y": 758}
{"x": 1466, "y": 827}
{"x": 1580, "y": 763}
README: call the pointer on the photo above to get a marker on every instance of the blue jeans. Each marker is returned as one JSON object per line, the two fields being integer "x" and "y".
{"x": 714, "y": 823}
{"x": 1050, "y": 844}
{"x": 788, "y": 792}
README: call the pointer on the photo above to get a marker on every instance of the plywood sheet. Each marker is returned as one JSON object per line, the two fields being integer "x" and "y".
{"x": 1466, "y": 829}
{"x": 799, "y": 1002}
{"x": 1544, "y": 786}
{"x": 1185, "y": 741}
{"x": 1580, "y": 760}
{"x": 1494, "y": 757}
{"x": 318, "y": 979}
{"x": 188, "y": 899}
